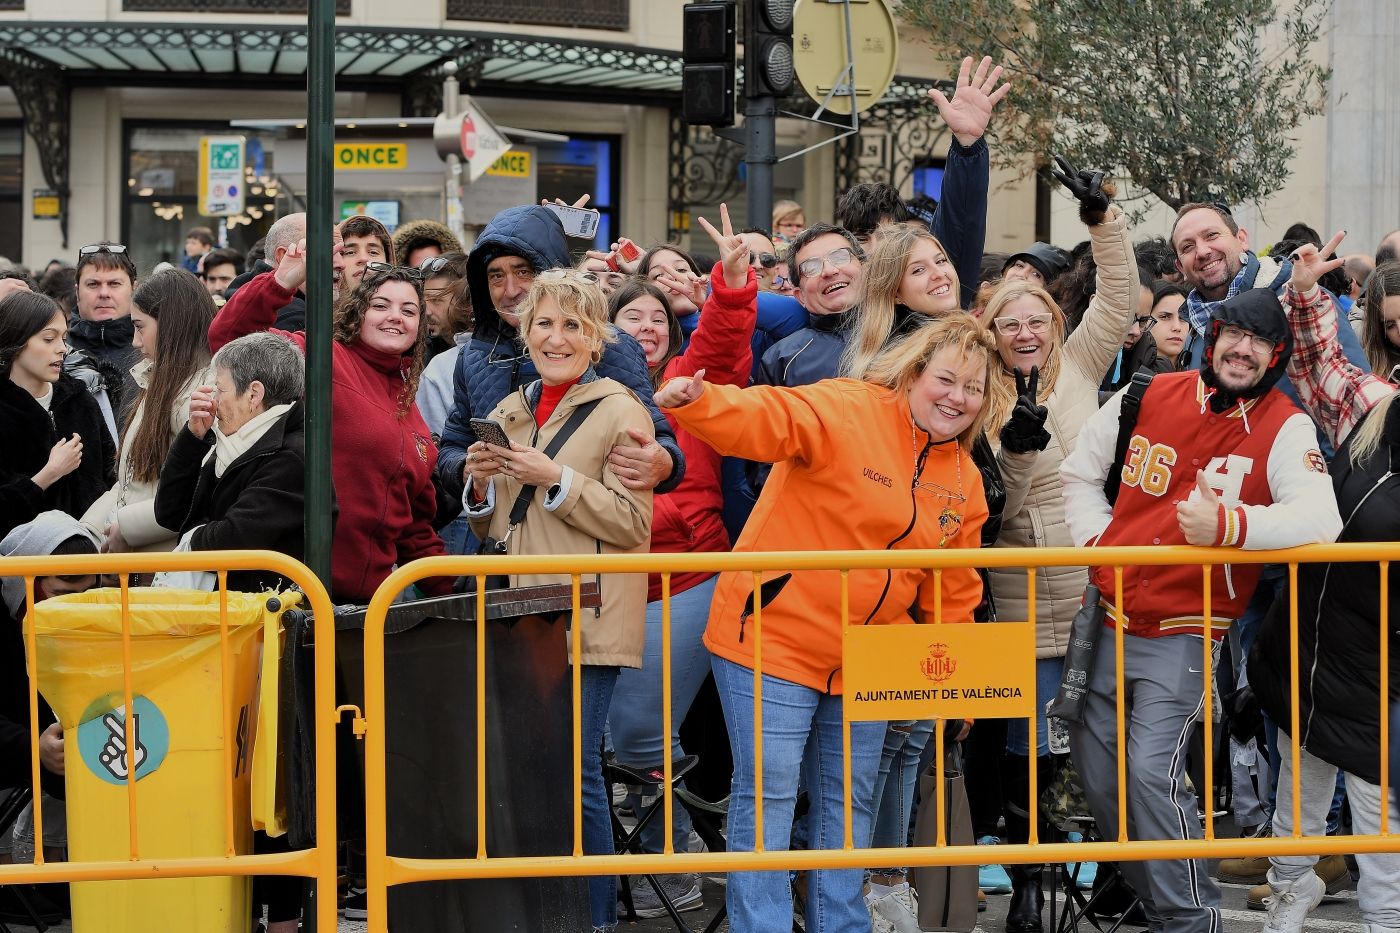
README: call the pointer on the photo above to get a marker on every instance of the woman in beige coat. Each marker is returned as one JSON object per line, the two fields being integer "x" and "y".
{"x": 1030, "y": 331}
{"x": 578, "y": 507}
{"x": 171, "y": 312}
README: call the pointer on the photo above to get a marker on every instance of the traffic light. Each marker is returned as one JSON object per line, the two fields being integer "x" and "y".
{"x": 768, "y": 69}
{"x": 707, "y": 73}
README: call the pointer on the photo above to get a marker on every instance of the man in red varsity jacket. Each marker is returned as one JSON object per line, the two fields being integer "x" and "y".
{"x": 1218, "y": 457}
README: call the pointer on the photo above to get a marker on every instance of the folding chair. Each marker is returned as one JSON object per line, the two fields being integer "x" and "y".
{"x": 1078, "y": 908}
{"x": 10, "y": 809}
{"x": 646, "y": 783}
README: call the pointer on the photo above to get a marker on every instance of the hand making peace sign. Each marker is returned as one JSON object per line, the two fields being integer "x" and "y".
{"x": 733, "y": 252}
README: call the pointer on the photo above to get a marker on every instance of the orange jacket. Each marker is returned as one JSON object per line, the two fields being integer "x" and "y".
{"x": 846, "y": 453}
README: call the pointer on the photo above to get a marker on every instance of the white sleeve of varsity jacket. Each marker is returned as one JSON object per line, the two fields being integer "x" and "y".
{"x": 1304, "y": 510}
{"x": 1083, "y": 472}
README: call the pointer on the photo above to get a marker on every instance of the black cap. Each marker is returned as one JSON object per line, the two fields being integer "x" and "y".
{"x": 1049, "y": 261}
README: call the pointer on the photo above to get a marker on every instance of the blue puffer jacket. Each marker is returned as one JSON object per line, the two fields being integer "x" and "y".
{"x": 493, "y": 364}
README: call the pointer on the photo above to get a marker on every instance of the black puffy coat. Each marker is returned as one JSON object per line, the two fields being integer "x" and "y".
{"x": 1339, "y": 688}
{"x": 257, "y": 504}
{"x": 29, "y": 435}
{"x": 106, "y": 346}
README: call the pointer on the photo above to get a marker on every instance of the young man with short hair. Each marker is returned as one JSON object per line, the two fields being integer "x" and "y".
{"x": 364, "y": 240}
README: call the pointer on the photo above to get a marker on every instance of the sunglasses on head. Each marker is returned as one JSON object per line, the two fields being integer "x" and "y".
{"x": 384, "y": 268}
{"x": 115, "y": 249}
{"x": 432, "y": 265}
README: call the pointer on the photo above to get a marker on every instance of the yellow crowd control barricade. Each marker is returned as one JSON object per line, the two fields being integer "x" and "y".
{"x": 159, "y": 693}
{"x": 932, "y": 670}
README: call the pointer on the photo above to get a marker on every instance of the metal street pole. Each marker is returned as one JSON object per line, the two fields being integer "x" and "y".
{"x": 760, "y": 152}
{"x": 451, "y": 106}
{"x": 320, "y": 142}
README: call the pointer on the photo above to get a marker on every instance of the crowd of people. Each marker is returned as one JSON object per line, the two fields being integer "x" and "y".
{"x": 876, "y": 382}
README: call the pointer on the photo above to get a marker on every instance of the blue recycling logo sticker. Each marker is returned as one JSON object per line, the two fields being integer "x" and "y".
{"x": 102, "y": 739}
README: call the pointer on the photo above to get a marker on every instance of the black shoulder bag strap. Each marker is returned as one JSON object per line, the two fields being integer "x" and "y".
{"x": 527, "y": 493}
{"x": 1127, "y": 420}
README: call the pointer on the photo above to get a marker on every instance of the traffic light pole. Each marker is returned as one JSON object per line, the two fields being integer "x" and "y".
{"x": 760, "y": 154}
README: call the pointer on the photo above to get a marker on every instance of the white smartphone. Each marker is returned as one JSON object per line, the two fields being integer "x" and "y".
{"x": 581, "y": 222}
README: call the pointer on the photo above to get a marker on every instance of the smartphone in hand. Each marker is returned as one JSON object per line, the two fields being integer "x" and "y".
{"x": 490, "y": 432}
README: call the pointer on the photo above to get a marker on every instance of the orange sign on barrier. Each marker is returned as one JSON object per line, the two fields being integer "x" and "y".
{"x": 940, "y": 671}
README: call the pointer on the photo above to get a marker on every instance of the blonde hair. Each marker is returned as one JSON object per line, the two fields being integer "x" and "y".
{"x": 578, "y": 298}
{"x": 786, "y": 210}
{"x": 1366, "y": 437}
{"x": 1001, "y": 391}
{"x": 901, "y": 365}
{"x": 873, "y": 319}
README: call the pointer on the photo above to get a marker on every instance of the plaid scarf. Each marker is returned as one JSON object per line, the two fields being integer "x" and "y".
{"x": 1254, "y": 273}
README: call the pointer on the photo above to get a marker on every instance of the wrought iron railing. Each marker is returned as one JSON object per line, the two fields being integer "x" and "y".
{"x": 342, "y": 7}
{"x": 599, "y": 14}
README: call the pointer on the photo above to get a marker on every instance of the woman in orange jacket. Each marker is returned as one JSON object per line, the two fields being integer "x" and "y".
{"x": 878, "y": 464}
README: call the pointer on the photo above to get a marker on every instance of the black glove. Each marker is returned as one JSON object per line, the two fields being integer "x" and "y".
{"x": 1088, "y": 187}
{"x": 1025, "y": 430}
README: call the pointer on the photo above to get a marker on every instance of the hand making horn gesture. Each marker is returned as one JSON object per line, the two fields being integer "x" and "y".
{"x": 733, "y": 252}
{"x": 682, "y": 390}
{"x": 1311, "y": 263}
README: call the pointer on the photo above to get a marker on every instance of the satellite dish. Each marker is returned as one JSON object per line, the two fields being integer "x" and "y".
{"x": 821, "y": 39}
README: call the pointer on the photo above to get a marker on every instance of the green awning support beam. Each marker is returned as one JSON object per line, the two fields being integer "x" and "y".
{"x": 320, "y": 140}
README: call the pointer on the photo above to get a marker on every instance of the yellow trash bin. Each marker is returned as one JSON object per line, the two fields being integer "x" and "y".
{"x": 179, "y": 730}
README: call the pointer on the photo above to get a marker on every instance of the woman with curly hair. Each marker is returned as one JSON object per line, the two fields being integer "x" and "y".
{"x": 382, "y": 454}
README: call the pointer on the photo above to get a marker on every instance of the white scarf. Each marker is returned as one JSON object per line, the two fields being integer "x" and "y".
{"x": 229, "y": 447}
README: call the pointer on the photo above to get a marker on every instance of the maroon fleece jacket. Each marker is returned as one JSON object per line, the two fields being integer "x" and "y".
{"x": 381, "y": 462}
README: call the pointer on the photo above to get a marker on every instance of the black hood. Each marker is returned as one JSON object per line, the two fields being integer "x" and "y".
{"x": 114, "y": 334}
{"x": 532, "y": 232}
{"x": 1258, "y": 311}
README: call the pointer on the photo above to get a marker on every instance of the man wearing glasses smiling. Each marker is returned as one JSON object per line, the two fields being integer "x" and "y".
{"x": 1219, "y": 457}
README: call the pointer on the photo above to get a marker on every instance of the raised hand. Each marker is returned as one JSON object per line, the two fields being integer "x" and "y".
{"x": 291, "y": 268}
{"x": 201, "y": 411}
{"x": 1311, "y": 263}
{"x": 680, "y": 391}
{"x": 733, "y": 252}
{"x": 1088, "y": 186}
{"x": 970, "y": 110}
{"x": 1199, "y": 518}
{"x": 684, "y": 284}
{"x": 545, "y": 202}
{"x": 1025, "y": 430}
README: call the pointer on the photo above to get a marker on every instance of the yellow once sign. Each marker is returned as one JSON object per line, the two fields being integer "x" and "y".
{"x": 512, "y": 164}
{"x": 950, "y": 671}
{"x": 371, "y": 156}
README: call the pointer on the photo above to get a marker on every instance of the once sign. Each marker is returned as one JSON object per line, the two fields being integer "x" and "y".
{"x": 371, "y": 156}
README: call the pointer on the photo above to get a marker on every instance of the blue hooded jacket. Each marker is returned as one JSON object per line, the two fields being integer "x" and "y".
{"x": 493, "y": 364}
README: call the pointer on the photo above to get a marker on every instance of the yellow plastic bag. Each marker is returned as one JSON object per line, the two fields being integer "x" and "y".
{"x": 180, "y": 728}
{"x": 269, "y": 804}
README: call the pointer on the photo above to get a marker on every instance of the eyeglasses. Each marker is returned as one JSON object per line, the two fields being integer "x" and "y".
{"x": 766, "y": 260}
{"x": 384, "y": 268}
{"x": 815, "y": 265}
{"x": 1230, "y": 334}
{"x": 1011, "y": 326}
{"x": 432, "y": 265}
{"x": 1146, "y": 322}
{"x": 555, "y": 275}
{"x": 115, "y": 249}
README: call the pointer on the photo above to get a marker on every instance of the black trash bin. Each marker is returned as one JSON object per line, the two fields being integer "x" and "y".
{"x": 430, "y": 699}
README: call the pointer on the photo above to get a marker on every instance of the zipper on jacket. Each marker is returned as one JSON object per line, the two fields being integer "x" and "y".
{"x": 909, "y": 529}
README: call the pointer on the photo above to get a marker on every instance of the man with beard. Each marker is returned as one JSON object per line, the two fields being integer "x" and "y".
{"x": 1218, "y": 457}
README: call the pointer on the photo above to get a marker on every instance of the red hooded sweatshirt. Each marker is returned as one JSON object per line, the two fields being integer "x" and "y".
{"x": 382, "y": 463}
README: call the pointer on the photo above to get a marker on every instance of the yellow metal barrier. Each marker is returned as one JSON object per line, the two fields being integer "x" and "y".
{"x": 318, "y": 863}
{"x": 385, "y": 870}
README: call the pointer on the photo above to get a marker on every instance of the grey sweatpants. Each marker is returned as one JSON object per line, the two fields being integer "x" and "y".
{"x": 1164, "y": 687}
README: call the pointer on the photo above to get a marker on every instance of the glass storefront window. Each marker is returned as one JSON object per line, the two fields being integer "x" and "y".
{"x": 583, "y": 165}
{"x": 161, "y": 202}
{"x": 11, "y": 191}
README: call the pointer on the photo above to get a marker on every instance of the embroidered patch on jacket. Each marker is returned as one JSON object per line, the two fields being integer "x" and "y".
{"x": 421, "y": 442}
{"x": 949, "y": 523}
{"x": 1314, "y": 461}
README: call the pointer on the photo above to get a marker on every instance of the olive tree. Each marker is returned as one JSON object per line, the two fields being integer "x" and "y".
{"x": 1190, "y": 99}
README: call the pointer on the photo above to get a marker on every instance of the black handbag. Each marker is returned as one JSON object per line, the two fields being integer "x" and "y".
{"x": 492, "y": 546}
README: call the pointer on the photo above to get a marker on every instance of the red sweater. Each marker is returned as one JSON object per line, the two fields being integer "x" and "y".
{"x": 381, "y": 463}
{"x": 689, "y": 517}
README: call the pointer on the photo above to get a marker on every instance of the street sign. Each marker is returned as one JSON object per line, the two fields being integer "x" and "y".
{"x": 829, "y": 57}
{"x": 373, "y": 156}
{"x": 221, "y": 175}
{"x": 471, "y": 135}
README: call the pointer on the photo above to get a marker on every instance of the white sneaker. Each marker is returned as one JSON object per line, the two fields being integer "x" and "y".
{"x": 1288, "y": 906}
{"x": 898, "y": 910}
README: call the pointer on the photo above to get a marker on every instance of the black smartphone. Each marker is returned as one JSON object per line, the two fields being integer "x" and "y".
{"x": 490, "y": 432}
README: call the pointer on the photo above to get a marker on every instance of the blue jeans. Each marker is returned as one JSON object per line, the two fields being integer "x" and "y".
{"x": 801, "y": 733}
{"x": 635, "y": 720}
{"x": 457, "y": 535}
{"x": 595, "y": 695}
{"x": 898, "y": 776}
{"x": 1048, "y": 673}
